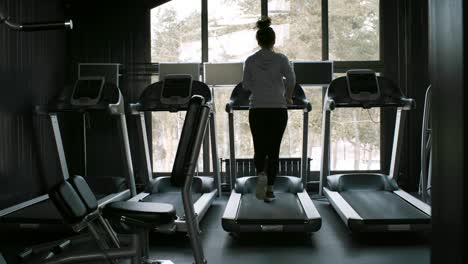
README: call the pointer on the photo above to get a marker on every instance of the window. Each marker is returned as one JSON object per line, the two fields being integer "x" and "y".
{"x": 314, "y": 95}
{"x": 222, "y": 94}
{"x": 176, "y": 32}
{"x": 354, "y": 30}
{"x": 175, "y": 37}
{"x": 353, "y": 36}
{"x": 355, "y": 138}
{"x": 298, "y": 28}
{"x": 167, "y": 128}
{"x": 231, "y": 29}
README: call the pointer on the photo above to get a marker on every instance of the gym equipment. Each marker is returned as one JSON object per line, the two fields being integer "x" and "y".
{"x": 88, "y": 95}
{"x": 426, "y": 150}
{"x": 78, "y": 206}
{"x": 293, "y": 211}
{"x": 370, "y": 201}
{"x": 171, "y": 95}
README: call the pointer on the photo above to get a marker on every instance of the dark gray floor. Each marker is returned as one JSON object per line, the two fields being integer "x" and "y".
{"x": 331, "y": 244}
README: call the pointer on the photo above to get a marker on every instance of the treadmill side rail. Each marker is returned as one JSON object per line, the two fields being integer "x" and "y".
{"x": 203, "y": 203}
{"x": 23, "y": 205}
{"x": 232, "y": 206}
{"x": 425, "y": 208}
{"x": 344, "y": 210}
{"x": 309, "y": 207}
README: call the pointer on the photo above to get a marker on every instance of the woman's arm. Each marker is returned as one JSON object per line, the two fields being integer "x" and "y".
{"x": 247, "y": 78}
{"x": 290, "y": 76}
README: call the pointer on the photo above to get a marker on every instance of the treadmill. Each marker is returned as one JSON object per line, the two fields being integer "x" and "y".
{"x": 370, "y": 202}
{"x": 173, "y": 94}
{"x": 89, "y": 94}
{"x": 293, "y": 210}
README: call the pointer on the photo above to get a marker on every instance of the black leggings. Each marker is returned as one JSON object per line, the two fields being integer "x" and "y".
{"x": 267, "y": 126}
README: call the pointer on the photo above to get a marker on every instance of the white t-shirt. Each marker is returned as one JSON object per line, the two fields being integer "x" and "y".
{"x": 263, "y": 77}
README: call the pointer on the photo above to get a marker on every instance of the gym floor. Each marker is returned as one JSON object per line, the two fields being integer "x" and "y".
{"x": 331, "y": 244}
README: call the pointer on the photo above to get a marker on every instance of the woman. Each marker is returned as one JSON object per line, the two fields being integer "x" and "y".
{"x": 263, "y": 77}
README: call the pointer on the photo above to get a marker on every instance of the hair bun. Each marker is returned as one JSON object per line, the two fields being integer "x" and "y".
{"x": 265, "y": 22}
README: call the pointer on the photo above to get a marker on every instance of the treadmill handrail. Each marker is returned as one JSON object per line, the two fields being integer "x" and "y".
{"x": 150, "y": 98}
{"x": 337, "y": 96}
{"x": 241, "y": 95}
{"x": 111, "y": 100}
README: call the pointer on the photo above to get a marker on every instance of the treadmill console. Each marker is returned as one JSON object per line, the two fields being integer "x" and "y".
{"x": 176, "y": 89}
{"x": 87, "y": 91}
{"x": 363, "y": 85}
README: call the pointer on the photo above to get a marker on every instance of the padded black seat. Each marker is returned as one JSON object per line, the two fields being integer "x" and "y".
{"x": 147, "y": 213}
{"x": 69, "y": 203}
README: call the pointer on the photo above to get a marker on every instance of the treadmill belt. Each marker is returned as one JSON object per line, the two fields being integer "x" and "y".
{"x": 285, "y": 209}
{"x": 379, "y": 205}
{"x": 174, "y": 198}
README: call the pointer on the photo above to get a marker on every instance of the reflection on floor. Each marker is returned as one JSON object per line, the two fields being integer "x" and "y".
{"x": 331, "y": 244}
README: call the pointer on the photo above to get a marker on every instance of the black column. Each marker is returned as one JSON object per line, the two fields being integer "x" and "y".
{"x": 449, "y": 191}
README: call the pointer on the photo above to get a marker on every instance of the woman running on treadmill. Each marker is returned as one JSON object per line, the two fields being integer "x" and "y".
{"x": 263, "y": 77}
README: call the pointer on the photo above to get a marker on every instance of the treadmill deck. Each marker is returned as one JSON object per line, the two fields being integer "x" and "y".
{"x": 285, "y": 209}
{"x": 382, "y": 205}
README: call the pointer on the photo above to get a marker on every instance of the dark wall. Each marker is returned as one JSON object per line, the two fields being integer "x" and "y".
{"x": 416, "y": 80}
{"x": 405, "y": 53}
{"x": 36, "y": 66}
{"x": 447, "y": 59}
{"x": 111, "y": 32}
{"x": 32, "y": 70}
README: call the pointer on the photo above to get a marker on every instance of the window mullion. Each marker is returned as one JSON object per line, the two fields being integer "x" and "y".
{"x": 325, "y": 31}
{"x": 264, "y": 8}
{"x": 204, "y": 30}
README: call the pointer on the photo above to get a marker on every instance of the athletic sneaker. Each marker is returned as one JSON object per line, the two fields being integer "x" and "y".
{"x": 261, "y": 186}
{"x": 269, "y": 197}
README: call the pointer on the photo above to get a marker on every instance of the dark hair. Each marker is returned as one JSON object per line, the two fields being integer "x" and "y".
{"x": 266, "y": 36}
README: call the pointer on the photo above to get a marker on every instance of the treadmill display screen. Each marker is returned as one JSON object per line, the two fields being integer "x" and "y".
{"x": 88, "y": 88}
{"x": 365, "y": 82}
{"x": 177, "y": 87}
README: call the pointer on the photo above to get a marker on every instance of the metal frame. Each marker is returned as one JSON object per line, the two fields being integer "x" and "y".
{"x": 397, "y": 143}
{"x": 346, "y": 212}
{"x": 59, "y": 145}
{"x": 191, "y": 218}
{"x": 114, "y": 109}
{"x": 23, "y": 205}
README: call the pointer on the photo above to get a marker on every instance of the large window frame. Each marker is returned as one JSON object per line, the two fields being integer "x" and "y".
{"x": 339, "y": 66}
